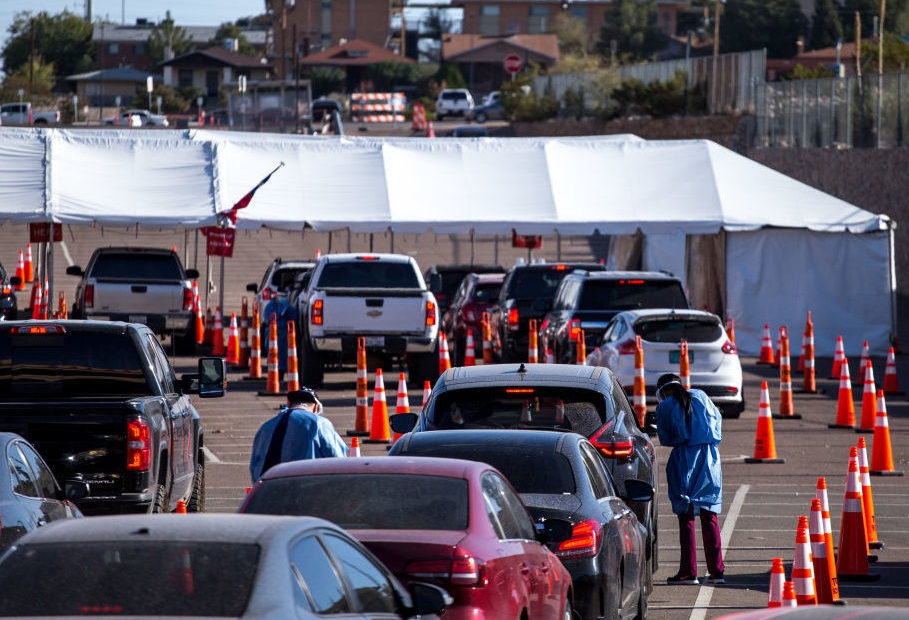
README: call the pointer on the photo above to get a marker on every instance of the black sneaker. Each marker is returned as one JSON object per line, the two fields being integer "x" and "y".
{"x": 683, "y": 580}
{"x": 719, "y": 578}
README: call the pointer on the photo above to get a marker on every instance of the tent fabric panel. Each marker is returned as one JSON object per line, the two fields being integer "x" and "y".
{"x": 666, "y": 252}
{"x": 777, "y": 276}
{"x": 22, "y": 174}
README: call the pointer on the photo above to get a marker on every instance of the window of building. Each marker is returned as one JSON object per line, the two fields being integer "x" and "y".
{"x": 537, "y": 20}
{"x": 579, "y": 12}
{"x": 139, "y": 49}
{"x": 113, "y": 48}
{"x": 184, "y": 78}
{"x": 489, "y": 19}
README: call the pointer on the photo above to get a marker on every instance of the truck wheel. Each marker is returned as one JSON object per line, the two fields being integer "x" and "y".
{"x": 312, "y": 374}
{"x": 160, "y": 503}
{"x": 196, "y": 501}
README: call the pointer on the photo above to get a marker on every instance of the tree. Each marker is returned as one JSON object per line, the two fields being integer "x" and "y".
{"x": 868, "y": 10}
{"x": 753, "y": 24}
{"x": 826, "y": 27}
{"x": 167, "y": 34}
{"x": 37, "y": 80}
{"x": 632, "y": 25}
{"x": 233, "y": 31}
{"x": 64, "y": 41}
{"x": 571, "y": 33}
{"x": 433, "y": 27}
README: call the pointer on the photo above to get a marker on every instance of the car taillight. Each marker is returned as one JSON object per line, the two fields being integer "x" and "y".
{"x": 627, "y": 348}
{"x": 513, "y": 318}
{"x": 316, "y": 316}
{"x": 430, "y": 313}
{"x": 574, "y": 330}
{"x": 459, "y": 571}
{"x": 584, "y": 541}
{"x": 729, "y": 348}
{"x": 613, "y": 446}
{"x": 89, "y": 298}
{"x": 138, "y": 446}
{"x": 268, "y": 294}
{"x": 7, "y": 290}
{"x": 544, "y": 324}
{"x": 188, "y": 298}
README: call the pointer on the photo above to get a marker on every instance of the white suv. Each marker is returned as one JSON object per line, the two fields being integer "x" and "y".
{"x": 453, "y": 102}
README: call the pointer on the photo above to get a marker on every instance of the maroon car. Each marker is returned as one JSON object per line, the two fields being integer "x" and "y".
{"x": 476, "y": 295}
{"x": 456, "y": 523}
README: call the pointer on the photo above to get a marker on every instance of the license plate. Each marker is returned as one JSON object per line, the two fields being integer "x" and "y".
{"x": 675, "y": 355}
{"x": 138, "y": 318}
{"x": 375, "y": 341}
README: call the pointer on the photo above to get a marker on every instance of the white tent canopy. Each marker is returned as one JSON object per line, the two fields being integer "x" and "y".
{"x": 616, "y": 185}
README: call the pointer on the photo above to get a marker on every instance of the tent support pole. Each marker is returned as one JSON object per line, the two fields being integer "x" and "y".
{"x": 894, "y": 337}
{"x": 349, "y": 245}
{"x": 495, "y": 249}
{"x": 50, "y": 270}
{"x": 392, "y": 240}
{"x": 207, "y": 278}
{"x": 558, "y": 246}
{"x": 221, "y": 291}
{"x": 472, "y": 244}
{"x": 371, "y": 238}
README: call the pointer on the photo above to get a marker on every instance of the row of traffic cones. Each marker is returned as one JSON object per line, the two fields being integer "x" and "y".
{"x": 25, "y": 268}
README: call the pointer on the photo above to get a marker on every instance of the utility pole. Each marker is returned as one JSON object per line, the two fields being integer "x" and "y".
{"x": 716, "y": 55}
{"x": 880, "y": 71}
{"x": 31, "y": 58}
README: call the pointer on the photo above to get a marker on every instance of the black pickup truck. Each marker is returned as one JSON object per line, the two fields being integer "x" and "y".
{"x": 101, "y": 403}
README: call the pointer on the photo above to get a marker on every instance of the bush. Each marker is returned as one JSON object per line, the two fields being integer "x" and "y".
{"x": 522, "y": 104}
{"x": 657, "y": 99}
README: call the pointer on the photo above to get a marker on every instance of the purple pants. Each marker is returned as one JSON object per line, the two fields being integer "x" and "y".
{"x": 710, "y": 531}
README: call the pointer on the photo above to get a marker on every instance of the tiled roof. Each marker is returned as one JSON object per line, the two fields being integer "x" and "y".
{"x": 222, "y": 56}
{"x": 454, "y": 45}
{"x": 356, "y": 52}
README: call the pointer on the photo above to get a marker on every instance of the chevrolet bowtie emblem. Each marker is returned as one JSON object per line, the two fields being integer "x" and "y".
{"x": 374, "y": 313}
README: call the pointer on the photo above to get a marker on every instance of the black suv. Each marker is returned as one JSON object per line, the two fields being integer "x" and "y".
{"x": 444, "y": 280}
{"x": 588, "y": 300}
{"x": 8, "y": 304}
{"x": 527, "y": 293}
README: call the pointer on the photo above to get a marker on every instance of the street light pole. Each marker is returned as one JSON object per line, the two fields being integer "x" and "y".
{"x": 716, "y": 54}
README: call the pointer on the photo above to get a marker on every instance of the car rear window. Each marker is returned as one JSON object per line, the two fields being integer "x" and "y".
{"x": 368, "y": 501}
{"x": 553, "y": 408}
{"x": 134, "y": 578}
{"x": 137, "y": 267}
{"x": 69, "y": 364}
{"x": 628, "y": 294}
{"x": 674, "y": 330}
{"x": 487, "y": 292}
{"x": 530, "y": 469}
{"x": 369, "y": 274}
{"x": 536, "y": 283}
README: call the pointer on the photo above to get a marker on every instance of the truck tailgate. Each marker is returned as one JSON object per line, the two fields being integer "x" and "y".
{"x": 376, "y": 311}
{"x": 137, "y": 298}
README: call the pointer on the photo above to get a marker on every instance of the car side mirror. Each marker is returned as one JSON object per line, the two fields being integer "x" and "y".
{"x": 74, "y": 270}
{"x": 192, "y": 274}
{"x": 210, "y": 381}
{"x": 252, "y": 287}
{"x": 553, "y": 530}
{"x": 403, "y": 422}
{"x": 428, "y": 598}
{"x": 637, "y": 491}
{"x": 76, "y": 489}
{"x": 15, "y": 280}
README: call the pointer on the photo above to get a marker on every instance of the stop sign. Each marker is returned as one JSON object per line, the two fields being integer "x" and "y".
{"x": 513, "y": 63}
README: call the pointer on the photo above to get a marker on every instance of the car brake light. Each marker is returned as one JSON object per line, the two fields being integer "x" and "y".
{"x": 613, "y": 446}
{"x": 430, "y": 313}
{"x": 560, "y": 267}
{"x": 7, "y": 290}
{"x": 729, "y": 348}
{"x": 138, "y": 446}
{"x": 38, "y": 329}
{"x": 188, "y": 298}
{"x": 268, "y": 294}
{"x": 584, "y": 541}
{"x": 462, "y": 570}
{"x": 544, "y": 324}
{"x": 368, "y": 257}
{"x": 631, "y": 282}
{"x": 519, "y": 390}
{"x": 513, "y": 318}
{"x": 627, "y": 348}
{"x": 317, "y": 317}
{"x": 574, "y": 330}
{"x": 89, "y": 298}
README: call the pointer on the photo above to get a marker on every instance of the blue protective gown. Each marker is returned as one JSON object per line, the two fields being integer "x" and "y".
{"x": 284, "y": 312}
{"x": 693, "y": 472}
{"x": 309, "y": 436}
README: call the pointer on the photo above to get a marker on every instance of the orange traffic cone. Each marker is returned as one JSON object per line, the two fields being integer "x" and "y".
{"x": 730, "y": 329}
{"x": 802, "y": 567}
{"x": 787, "y": 410}
{"x": 354, "y": 447}
{"x": 487, "y": 340}
{"x": 864, "y": 359}
{"x": 581, "y": 350}
{"x": 845, "y": 407}
{"x": 217, "y": 334}
{"x": 444, "y": 359}
{"x": 891, "y": 382}
{"x": 361, "y": 425}
{"x": 243, "y": 361}
{"x": 684, "y": 366}
{"x": 402, "y": 404}
{"x": 819, "y": 561}
{"x": 470, "y": 354}
{"x": 533, "y": 349}
{"x": 639, "y": 390}
{"x": 380, "y": 431}
{"x": 181, "y": 507}
{"x": 852, "y": 550}
{"x": 427, "y": 390}
{"x": 255, "y": 345}
{"x": 869, "y": 401}
{"x": 764, "y": 442}
{"x": 200, "y": 321}
{"x": 766, "y": 355}
{"x": 45, "y": 301}
{"x": 777, "y": 578}
{"x": 29, "y": 265}
{"x": 233, "y": 341}
{"x": 881, "y": 451}
{"x": 36, "y": 301}
{"x": 20, "y": 272}
{"x": 809, "y": 384}
{"x": 430, "y": 130}
{"x": 62, "y": 310}
{"x": 839, "y": 356}
{"x": 867, "y": 497}
{"x": 292, "y": 375}
{"x": 789, "y": 596}
{"x": 273, "y": 380}
{"x": 821, "y": 496}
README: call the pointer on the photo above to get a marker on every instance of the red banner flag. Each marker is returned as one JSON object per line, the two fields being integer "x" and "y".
{"x": 231, "y": 214}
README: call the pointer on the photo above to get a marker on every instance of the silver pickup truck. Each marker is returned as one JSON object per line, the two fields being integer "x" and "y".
{"x": 138, "y": 285}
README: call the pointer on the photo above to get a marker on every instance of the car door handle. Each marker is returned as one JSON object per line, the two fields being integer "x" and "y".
{"x": 525, "y": 569}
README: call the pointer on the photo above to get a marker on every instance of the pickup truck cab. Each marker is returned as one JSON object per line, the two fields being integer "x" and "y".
{"x": 138, "y": 285}
{"x": 24, "y": 114}
{"x": 101, "y": 403}
{"x": 380, "y": 297}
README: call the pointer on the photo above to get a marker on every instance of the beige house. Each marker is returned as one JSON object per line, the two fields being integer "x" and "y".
{"x": 97, "y": 88}
{"x": 213, "y": 68}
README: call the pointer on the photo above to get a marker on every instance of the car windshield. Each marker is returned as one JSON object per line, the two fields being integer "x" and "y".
{"x": 369, "y": 274}
{"x": 627, "y": 294}
{"x": 536, "y": 283}
{"x": 487, "y": 292}
{"x": 134, "y": 266}
{"x": 135, "y": 578}
{"x": 530, "y": 469}
{"x": 283, "y": 279}
{"x": 676, "y": 329}
{"x": 369, "y": 501}
{"x": 558, "y": 408}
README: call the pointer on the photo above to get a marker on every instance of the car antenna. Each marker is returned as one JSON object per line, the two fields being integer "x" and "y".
{"x": 522, "y": 369}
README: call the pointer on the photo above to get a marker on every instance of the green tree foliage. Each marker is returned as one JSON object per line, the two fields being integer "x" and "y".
{"x": 571, "y": 33}
{"x": 753, "y": 24}
{"x": 657, "y": 99}
{"x": 167, "y": 33}
{"x": 449, "y": 76}
{"x": 826, "y": 26}
{"x": 868, "y": 9}
{"x": 64, "y": 41}
{"x": 37, "y": 81}
{"x": 896, "y": 55}
{"x": 386, "y": 75}
{"x": 801, "y": 72}
{"x": 434, "y": 27}
{"x": 633, "y": 25}
{"x": 522, "y": 104}
{"x": 326, "y": 80}
{"x": 233, "y": 31}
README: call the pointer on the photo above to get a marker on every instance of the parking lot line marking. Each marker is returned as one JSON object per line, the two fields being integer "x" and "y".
{"x": 706, "y": 592}
{"x": 209, "y": 455}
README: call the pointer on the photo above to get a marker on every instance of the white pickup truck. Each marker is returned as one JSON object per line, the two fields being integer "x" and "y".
{"x": 24, "y": 114}
{"x": 138, "y": 285}
{"x": 380, "y": 297}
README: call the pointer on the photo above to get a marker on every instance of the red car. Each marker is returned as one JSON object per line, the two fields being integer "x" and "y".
{"x": 456, "y": 523}
{"x": 476, "y": 295}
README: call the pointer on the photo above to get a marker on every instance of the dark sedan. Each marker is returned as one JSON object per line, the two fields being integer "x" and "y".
{"x": 29, "y": 495}
{"x": 559, "y": 475}
{"x": 458, "y": 524}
